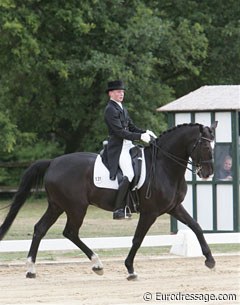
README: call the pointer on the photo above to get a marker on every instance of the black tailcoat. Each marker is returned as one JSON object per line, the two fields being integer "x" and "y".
{"x": 120, "y": 127}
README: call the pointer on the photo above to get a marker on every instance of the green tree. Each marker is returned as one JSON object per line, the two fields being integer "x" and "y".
{"x": 7, "y": 135}
{"x": 219, "y": 22}
{"x": 57, "y": 56}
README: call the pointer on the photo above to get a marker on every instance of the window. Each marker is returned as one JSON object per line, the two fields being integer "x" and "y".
{"x": 223, "y": 162}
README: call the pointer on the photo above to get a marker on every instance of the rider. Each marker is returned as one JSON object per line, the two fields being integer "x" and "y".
{"x": 122, "y": 132}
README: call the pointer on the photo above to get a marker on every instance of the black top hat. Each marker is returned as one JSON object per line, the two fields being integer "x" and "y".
{"x": 115, "y": 85}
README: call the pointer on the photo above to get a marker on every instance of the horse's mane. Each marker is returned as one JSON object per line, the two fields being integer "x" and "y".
{"x": 166, "y": 132}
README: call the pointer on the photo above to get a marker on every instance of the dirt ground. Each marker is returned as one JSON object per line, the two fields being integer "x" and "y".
{"x": 73, "y": 282}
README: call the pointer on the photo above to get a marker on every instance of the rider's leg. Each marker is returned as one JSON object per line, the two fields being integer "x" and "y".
{"x": 125, "y": 160}
{"x": 119, "y": 211}
{"x": 125, "y": 163}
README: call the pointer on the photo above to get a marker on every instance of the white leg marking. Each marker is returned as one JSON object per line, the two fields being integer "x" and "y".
{"x": 30, "y": 266}
{"x": 96, "y": 261}
{"x": 97, "y": 264}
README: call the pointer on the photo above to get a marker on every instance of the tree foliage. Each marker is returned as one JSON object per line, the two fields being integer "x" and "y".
{"x": 8, "y": 134}
{"x": 219, "y": 21}
{"x": 57, "y": 56}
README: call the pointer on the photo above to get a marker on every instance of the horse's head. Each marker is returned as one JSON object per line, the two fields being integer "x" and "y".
{"x": 202, "y": 152}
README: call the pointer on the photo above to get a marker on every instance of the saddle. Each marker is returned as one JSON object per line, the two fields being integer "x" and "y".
{"x": 101, "y": 175}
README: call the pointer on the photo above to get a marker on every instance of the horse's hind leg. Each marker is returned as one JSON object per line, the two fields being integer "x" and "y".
{"x": 71, "y": 230}
{"x": 182, "y": 215}
{"x": 40, "y": 229}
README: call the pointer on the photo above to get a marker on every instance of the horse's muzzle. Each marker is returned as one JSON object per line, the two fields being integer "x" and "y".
{"x": 205, "y": 171}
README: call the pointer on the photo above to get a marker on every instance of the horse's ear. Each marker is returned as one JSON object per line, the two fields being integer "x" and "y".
{"x": 214, "y": 125}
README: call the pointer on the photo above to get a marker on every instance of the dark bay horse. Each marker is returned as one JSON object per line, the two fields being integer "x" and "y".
{"x": 69, "y": 186}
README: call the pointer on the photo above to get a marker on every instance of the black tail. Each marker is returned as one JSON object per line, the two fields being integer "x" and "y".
{"x": 32, "y": 177}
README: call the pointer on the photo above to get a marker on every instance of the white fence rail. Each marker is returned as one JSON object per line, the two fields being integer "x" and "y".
{"x": 183, "y": 243}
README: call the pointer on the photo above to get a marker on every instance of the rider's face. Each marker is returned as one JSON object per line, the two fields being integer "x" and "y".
{"x": 117, "y": 95}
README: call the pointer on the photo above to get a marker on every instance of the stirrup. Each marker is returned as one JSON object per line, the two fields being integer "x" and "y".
{"x": 127, "y": 212}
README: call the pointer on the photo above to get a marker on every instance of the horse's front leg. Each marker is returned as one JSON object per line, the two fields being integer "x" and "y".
{"x": 182, "y": 215}
{"x": 144, "y": 223}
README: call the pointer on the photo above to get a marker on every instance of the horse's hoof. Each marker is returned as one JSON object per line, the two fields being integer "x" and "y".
{"x": 30, "y": 275}
{"x": 132, "y": 277}
{"x": 210, "y": 264}
{"x": 97, "y": 270}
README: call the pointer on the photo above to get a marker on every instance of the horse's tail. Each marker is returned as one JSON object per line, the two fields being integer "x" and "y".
{"x": 32, "y": 178}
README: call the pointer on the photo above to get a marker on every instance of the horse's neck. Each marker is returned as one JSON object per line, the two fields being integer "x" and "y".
{"x": 178, "y": 140}
{"x": 176, "y": 145}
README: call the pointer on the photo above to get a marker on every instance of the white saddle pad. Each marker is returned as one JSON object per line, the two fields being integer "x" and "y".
{"x": 101, "y": 175}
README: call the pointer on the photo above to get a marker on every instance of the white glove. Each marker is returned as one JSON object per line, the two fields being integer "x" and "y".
{"x": 145, "y": 137}
{"x": 151, "y": 133}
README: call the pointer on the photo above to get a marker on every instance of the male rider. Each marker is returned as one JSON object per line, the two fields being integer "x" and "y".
{"x": 122, "y": 132}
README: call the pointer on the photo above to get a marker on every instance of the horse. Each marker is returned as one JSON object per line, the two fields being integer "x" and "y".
{"x": 68, "y": 181}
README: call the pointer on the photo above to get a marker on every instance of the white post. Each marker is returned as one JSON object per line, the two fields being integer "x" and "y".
{"x": 186, "y": 245}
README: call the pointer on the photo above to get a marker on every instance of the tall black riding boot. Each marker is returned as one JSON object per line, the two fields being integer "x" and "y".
{"x": 119, "y": 212}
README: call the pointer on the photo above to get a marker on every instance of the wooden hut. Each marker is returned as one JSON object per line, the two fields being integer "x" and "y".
{"x": 215, "y": 202}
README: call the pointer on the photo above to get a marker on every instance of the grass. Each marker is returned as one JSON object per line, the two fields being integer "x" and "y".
{"x": 97, "y": 223}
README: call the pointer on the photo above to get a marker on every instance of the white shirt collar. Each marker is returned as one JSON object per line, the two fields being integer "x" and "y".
{"x": 120, "y": 104}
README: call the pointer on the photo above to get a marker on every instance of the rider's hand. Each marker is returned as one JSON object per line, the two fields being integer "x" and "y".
{"x": 151, "y": 133}
{"x": 145, "y": 137}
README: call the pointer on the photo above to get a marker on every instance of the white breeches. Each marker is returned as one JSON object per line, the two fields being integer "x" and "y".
{"x": 125, "y": 161}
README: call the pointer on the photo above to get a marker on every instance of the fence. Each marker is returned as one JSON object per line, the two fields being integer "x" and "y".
{"x": 183, "y": 243}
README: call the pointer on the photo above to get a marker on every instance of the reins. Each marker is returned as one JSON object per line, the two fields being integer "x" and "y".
{"x": 174, "y": 158}
{"x": 180, "y": 161}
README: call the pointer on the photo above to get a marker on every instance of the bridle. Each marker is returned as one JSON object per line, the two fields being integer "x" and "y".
{"x": 198, "y": 165}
